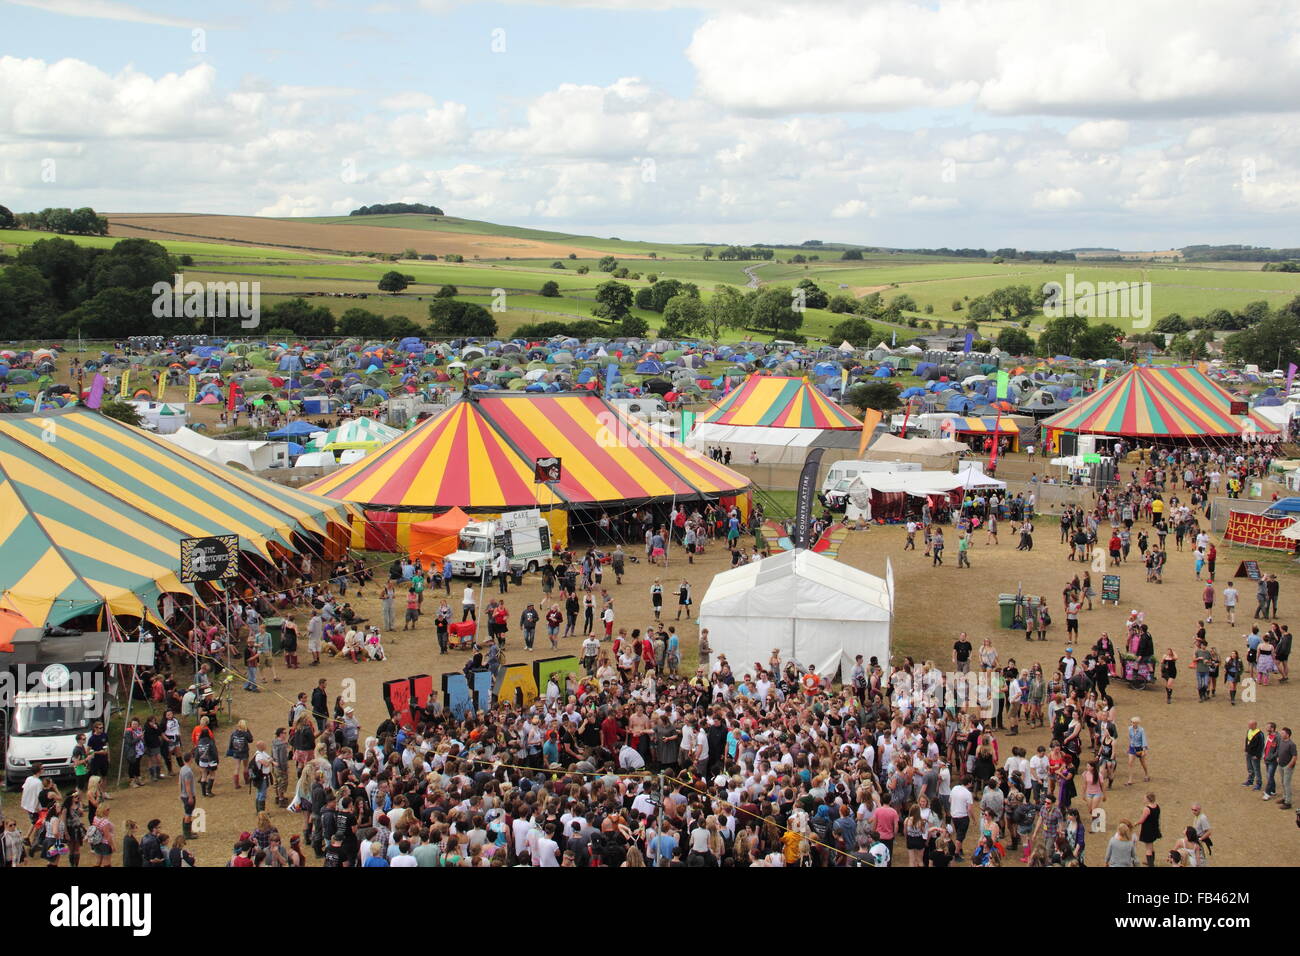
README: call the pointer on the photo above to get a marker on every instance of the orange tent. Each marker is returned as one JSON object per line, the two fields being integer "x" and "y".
{"x": 433, "y": 540}
{"x": 10, "y": 621}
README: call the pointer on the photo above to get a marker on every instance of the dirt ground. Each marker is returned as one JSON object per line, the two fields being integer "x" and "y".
{"x": 1195, "y": 747}
{"x": 334, "y": 238}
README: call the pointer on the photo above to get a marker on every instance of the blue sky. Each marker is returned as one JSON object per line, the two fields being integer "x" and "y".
{"x": 895, "y": 123}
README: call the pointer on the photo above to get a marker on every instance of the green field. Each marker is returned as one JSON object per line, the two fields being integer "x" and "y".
{"x": 931, "y": 281}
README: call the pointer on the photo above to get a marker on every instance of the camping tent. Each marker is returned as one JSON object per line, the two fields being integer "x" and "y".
{"x": 431, "y": 541}
{"x": 364, "y": 433}
{"x": 816, "y": 610}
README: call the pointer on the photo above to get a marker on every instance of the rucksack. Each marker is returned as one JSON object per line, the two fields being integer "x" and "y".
{"x": 94, "y": 835}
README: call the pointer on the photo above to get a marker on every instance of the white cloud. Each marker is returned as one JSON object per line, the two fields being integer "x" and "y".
{"x": 1023, "y": 57}
{"x": 1099, "y": 134}
{"x": 1063, "y": 197}
{"x": 105, "y": 10}
{"x": 849, "y": 210}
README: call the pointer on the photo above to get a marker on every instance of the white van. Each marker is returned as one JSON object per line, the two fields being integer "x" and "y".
{"x": 842, "y": 472}
{"x": 43, "y": 728}
{"x": 523, "y": 535}
{"x": 648, "y": 408}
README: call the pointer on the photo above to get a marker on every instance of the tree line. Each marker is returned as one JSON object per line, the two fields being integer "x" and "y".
{"x": 393, "y": 208}
{"x": 68, "y": 222}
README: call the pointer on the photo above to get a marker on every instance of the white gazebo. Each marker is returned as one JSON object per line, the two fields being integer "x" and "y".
{"x": 814, "y": 609}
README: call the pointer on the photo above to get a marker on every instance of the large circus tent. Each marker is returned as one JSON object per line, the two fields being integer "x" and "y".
{"x": 479, "y": 455}
{"x": 777, "y": 418}
{"x": 92, "y": 513}
{"x": 1164, "y": 404}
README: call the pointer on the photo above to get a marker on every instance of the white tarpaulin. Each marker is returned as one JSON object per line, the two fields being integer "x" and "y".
{"x": 253, "y": 455}
{"x": 890, "y": 446}
{"x": 1292, "y": 532}
{"x": 774, "y": 446}
{"x": 811, "y": 608}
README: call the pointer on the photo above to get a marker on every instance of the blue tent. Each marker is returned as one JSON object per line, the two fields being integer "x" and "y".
{"x": 959, "y": 403}
{"x": 1287, "y": 506}
{"x": 883, "y": 372}
{"x": 912, "y": 392}
{"x": 650, "y": 367}
{"x": 294, "y": 430}
{"x": 290, "y": 363}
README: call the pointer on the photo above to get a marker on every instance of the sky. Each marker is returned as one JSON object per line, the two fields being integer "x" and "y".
{"x": 1028, "y": 123}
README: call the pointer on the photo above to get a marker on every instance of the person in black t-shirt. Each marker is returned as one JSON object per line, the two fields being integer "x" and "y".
{"x": 961, "y": 649}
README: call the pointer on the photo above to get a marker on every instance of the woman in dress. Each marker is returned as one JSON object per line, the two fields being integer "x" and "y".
{"x": 684, "y": 599}
{"x": 1265, "y": 658}
{"x": 1149, "y": 828}
{"x": 1169, "y": 673}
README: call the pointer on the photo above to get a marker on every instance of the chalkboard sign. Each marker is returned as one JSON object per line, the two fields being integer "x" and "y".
{"x": 1110, "y": 588}
{"x": 1250, "y": 569}
{"x": 504, "y": 541}
{"x": 544, "y": 537}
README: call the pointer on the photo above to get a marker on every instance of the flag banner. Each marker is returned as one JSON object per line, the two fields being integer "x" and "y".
{"x": 96, "y": 396}
{"x": 193, "y": 389}
{"x": 1290, "y": 376}
{"x": 806, "y": 496}
{"x": 125, "y": 387}
{"x": 970, "y": 340}
{"x": 870, "y": 419}
{"x": 1004, "y": 385}
{"x": 1258, "y": 531}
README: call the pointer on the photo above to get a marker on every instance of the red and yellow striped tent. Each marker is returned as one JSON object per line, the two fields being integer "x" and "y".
{"x": 779, "y": 401}
{"x": 479, "y": 455}
{"x": 1166, "y": 403}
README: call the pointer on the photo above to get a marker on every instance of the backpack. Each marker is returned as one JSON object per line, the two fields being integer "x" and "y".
{"x": 255, "y": 772}
{"x": 94, "y": 836}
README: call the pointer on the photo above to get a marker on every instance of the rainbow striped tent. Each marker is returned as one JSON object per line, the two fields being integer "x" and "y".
{"x": 92, "y": 512}
{"x": 778, "y": 401}
{"x": 1170, "y": 403}
{"x": 479, "y": 455}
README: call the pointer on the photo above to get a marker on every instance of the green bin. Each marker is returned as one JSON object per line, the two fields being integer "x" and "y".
{"x": 1007, "y": 610}
{"x": 273, "y": 626}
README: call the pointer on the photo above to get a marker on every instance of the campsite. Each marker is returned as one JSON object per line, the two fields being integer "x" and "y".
{"x": 648, "y": 435}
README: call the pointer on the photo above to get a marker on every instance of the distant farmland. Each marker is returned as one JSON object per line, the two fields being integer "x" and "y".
{"x": 330, "y": 237}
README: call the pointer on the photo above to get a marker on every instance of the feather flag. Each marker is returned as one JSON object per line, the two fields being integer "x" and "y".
{"x": 96, "y": 396}
{"x": 870, "y": 419}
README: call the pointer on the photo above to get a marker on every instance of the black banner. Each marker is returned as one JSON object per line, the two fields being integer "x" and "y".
{"x": 209, "y": 559}
{"x": 806, "y": 496}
